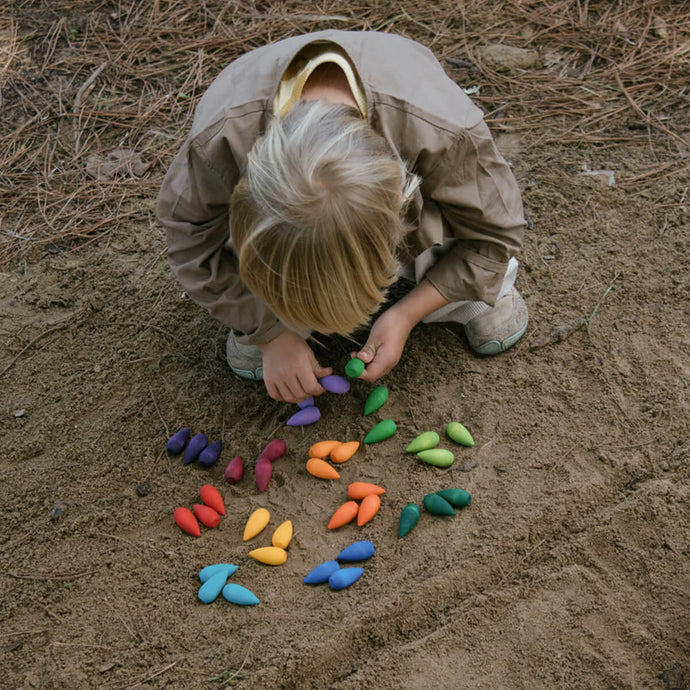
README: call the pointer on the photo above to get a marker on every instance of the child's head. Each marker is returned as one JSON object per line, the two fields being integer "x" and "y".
{"x": 317, "y": 218}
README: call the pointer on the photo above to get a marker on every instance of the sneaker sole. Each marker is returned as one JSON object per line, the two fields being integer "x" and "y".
{"x": 248, "y": 374}
{"x": 495, "y": 347}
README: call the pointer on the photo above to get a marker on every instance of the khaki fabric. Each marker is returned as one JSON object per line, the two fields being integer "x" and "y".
{"x": 468, "y": 192}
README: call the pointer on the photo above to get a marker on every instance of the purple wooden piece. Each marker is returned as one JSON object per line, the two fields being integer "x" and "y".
{"x": 210, "y": 454}
{"x": 308, "y": 415}
{"x": 335, "y": 383}
{"x": 309, "y": 402}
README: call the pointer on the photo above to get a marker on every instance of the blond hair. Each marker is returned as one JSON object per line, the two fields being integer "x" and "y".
{"x": 317, "y": 218}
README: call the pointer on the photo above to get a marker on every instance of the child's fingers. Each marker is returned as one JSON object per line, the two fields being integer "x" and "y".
{"x": 367, "y": 353}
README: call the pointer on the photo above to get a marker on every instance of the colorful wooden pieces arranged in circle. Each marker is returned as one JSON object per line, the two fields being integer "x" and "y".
{"x": 359, "y": 490}
{"x": 270, "y": 555}
{"x": 381, "y": 431}
{"x": 210, "y": 570}
{"x": 283, "y": 535}
{"x": 256, "y": 523}
{"x": 323, "y": 449}
{"x": 439, "y": 457}
{"x": 234, "y": 470}
{"x": 375, "y": 399}
{"x": 273, "y": 450}
{"x": 345, "y": 514}
{"x": 209, "y": 455}
{"x": 236, "y": 594}
{"x": 355, "y": 368}
{"x": 184, "y": 518}
{"x": 206, "y": 515}
{"x": 409, "y": 517}
{"x": 344, "y": 577}
{"x": 321, "y": 469}
{"x": 344, "y": 451}
{"x": 425, "y": 441}
{"x": 178, "y": 441}
{"x": 437, "y": 505}
{"x": 459, "y": 434}
{"x": 335, "y": 383}
{"x": 458, "y": 498}
{"x": 368, "y": 508}
{"x": 359, "y": 551}
{"x": 211, "y": 497}
{"x": 321, "y": 573}
{"x": 304, "y": 417}
{"x": 210, "y": 590}
{"x": 196, "y": 445}
{"x": 262, "y": 473}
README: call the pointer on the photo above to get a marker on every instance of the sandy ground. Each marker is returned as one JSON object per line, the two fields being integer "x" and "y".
{"x": 570, "y": 569}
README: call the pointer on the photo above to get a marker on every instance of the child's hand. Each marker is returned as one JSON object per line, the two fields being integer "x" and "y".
{"x": 385, "y": 345}
{"x": 290, "y": 368}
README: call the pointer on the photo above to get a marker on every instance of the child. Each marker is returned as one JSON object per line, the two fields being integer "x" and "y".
{"x": 318, "y": 170}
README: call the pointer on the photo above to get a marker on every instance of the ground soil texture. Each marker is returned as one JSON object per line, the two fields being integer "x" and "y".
{"x": 571, "y": 567}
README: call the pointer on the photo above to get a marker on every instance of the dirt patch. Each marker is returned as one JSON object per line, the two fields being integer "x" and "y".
{"x": 571, "y": 568}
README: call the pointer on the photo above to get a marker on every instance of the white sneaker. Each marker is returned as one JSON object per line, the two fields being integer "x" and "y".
{"x": 244, "y": 360}
{"x": 498, "y": 328}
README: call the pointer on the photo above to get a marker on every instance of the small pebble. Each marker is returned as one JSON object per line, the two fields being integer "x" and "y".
{"x": 143, "y": 489}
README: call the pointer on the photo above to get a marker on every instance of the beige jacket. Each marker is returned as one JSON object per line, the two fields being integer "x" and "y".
{"x": 467, "y": 193}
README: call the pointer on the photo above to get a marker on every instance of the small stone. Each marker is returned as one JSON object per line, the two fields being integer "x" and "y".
{"x": 143, "y": 489}
{"x": 502, "y": 57}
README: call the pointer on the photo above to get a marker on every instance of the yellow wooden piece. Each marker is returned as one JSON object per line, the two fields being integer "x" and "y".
{"x": 344, "y": 451}
{"x": 322, "y": 449}
{"x": 282, "y": 536}
{"x": 257, "y": 521}
{"x": 271, "y": 555}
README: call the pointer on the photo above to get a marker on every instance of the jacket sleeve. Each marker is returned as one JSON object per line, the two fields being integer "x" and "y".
{"x": 474, "y": 194}
{"x": 193, "y": 208}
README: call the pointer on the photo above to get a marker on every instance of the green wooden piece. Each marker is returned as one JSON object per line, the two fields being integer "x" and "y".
{"x": 425, "y": 441}
{"x": 459, "y": 434}
{"x": 439, "y": 457}
{"x": 376, "y": 398}
{"x": 354, "y": 368}
{"x": 437, "y": 505}
{"x": 381, "y": 431}
{"x": 458, "y": 498}
{"x": 408, "y": 519}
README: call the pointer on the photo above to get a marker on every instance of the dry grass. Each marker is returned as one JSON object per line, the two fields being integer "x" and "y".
{"x": 85, "y": 77}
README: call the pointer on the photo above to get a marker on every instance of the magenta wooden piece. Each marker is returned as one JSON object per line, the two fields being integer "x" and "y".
{"x": 234, "y": 470}
{"x": 273, "y": 450}
{"x": 308, "y": 415}
{"x": 335, "y": 383}
{"x": 262, "y": 473}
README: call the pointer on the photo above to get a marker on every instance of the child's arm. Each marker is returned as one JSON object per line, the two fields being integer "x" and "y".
{"x": 390, "y": 331}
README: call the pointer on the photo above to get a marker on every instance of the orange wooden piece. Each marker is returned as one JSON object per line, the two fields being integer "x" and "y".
{"x": 358, "y": 490}
{"x": 211, "y": 497}
{"x": 369, "y": 507}
{"x": 207, "y": 516}
{"x": 322, "y": 449}
{"x": 346, "y": 513}
{"x": 185, "y": 520}
{"x": 344, "y": 451}
{"x": 321, "y": 469}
